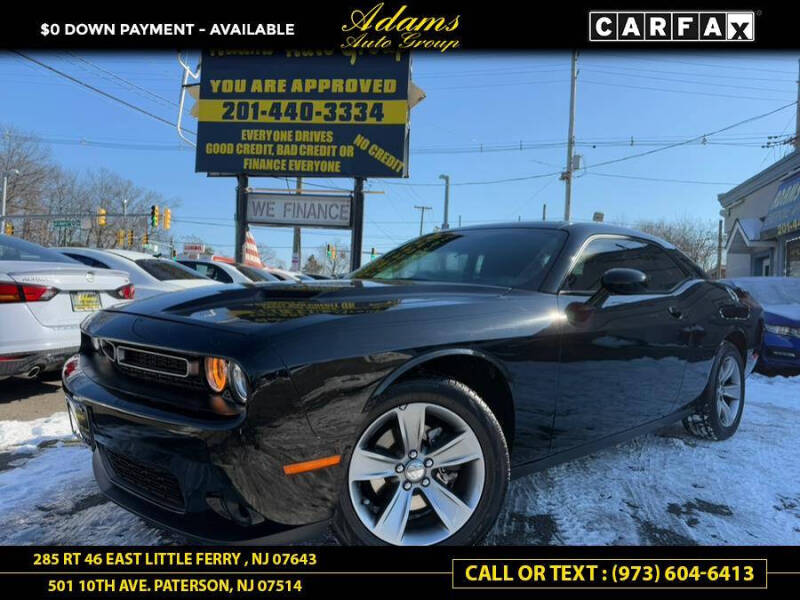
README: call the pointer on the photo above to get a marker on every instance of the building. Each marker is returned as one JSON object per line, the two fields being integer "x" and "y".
{"x": 762, "y": 221}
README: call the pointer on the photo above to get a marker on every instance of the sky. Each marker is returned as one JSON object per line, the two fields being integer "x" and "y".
{"x": 486, "y": 118}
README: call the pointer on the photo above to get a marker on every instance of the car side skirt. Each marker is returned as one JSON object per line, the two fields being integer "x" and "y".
{"x": 579, "y": 451}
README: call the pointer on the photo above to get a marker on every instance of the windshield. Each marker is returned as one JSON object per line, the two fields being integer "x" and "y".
{"x": 166, "y": 270}
{"x": 772, "y": 290}
{"x": 16, "y": 249}
{"x": 510, "y": 257}
{"x": 254, "y": 274}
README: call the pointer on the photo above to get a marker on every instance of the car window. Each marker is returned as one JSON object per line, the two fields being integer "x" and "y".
{"x": 16, "y": 249}
{"x": 506, "y": 257}
{"x": 254, "y": 274}
{"x": 213, "y": 272}
{"x": 604, "y": 253}
{"x": 165, "y": 270}
{"x": 88, "y": 260}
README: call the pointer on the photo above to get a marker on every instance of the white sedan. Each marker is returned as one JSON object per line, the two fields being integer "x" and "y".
{"x": 151, "y": 275}
{"x": 44, "y": 296}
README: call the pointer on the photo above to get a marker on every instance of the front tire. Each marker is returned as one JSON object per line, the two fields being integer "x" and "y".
{"x": 719, "y": 411}
{"x": 430, "y": 466}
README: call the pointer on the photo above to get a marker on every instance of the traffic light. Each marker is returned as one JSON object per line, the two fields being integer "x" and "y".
{"x": 130, "y": 238}
{"x": 9, "y": 228}
{"x": 167, "y": 218}
{"x": 145, "y": 239}
{"x": 101, "y": 217}
{"x": 328, "y": 251}
{"x": 372, "y": 254}
{"x": 120, "y": 238}
{"x": 154, "y": 216}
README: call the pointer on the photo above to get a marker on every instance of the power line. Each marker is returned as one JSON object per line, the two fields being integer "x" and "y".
{"x": 660, "y": 179}
{"x": 672, "y": 91}
{"x": 698, "y": 137}
{"x": 96, "y": 90}
{"x": 159, "y": 97}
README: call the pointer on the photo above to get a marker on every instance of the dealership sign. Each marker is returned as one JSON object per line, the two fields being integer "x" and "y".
{"x": 784, "y": 212}
{"x": 315, "y": 114}
{"x": 295, "y": 210}
{"x": 671, "y": 26}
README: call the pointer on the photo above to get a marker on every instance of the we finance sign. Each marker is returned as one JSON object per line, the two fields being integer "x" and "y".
{"x": 295, "y": 210}
{"x": 303, "y": 114}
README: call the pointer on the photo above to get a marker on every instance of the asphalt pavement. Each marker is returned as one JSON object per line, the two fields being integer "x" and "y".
{"x": 28, "y": 399}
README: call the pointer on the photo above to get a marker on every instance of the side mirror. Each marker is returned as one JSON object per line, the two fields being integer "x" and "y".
{"x": 619, "y": 282}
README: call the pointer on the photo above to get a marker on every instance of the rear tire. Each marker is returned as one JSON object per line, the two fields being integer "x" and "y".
{"x": 453, "y": 501}
{"x": 719, "y": 410}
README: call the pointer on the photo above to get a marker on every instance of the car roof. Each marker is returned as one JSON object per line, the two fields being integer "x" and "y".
{"x": 129, "y": 254}
{"x": 581, "y": 229}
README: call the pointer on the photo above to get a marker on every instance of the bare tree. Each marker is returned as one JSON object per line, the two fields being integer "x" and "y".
{"x": 338, "y": 263}
{"x": 696, "y": 238}
{"x": 312, "y": 266}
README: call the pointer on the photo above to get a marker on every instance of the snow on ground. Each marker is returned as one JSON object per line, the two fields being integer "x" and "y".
{"x": 664, "y": 488}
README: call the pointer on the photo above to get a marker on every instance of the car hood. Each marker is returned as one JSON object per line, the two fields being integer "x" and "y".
{"x": 782, "y": 314}
{"x": 263, "y": 304}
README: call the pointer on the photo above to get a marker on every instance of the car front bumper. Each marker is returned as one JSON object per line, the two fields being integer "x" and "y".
{"x": 780, "y": 352}
{"x": 164, "y": 468}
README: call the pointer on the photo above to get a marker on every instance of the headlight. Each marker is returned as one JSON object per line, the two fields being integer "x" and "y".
{"x": 217, "y": 373}
{"x": 783, "y": 330}
{"x": 239, "y": 383}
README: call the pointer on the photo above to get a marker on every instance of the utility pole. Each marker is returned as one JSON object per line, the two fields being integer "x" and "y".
{"x": 422, "y": 210}
{"x": 241, "y": 216}
{"x": 567, "y": 174}
{"x": 544, "y": 211}
{"x": 446, "y": 224}
{"x": 797, "y": 114}
{"x": 5, "y": 195}
{"x": 357, "y": 234}
{"x": 296, "y": 241}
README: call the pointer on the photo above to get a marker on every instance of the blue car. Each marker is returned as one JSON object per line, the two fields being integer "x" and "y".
{"x": 780, "y": 297}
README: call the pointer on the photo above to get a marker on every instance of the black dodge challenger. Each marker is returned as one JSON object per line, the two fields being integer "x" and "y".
{"x": 397, "y": 404}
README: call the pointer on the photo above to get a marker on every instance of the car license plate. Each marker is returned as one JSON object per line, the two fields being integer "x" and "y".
{"x": 85, "y": 301}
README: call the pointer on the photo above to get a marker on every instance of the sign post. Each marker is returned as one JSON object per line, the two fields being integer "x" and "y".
{"x": 303, "y": 114}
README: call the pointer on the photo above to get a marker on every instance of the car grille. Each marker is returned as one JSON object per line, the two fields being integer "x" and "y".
{"x": 152, "y": 361}
{"x": 154, "y": 365}
{"x": 157, "y": 484}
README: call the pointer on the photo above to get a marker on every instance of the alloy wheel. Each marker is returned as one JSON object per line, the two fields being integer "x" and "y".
{"x": 729, "y": 391}
{"x": 416, "y": 474}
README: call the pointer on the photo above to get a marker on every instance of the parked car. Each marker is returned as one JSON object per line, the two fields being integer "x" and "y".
{"x": 43, "y": 298}
{"x": 780, "y": 297}
{"x": 398, "y": 403}
{"x": 151, "y": 275}
{"x": 285, "y": 275}
{"x": 227, "y": 271}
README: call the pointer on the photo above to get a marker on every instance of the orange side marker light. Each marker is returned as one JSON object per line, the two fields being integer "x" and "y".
{"x": 312, "y": 465}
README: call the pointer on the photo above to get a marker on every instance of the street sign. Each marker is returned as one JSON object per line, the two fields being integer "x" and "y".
{"x": 303, "y": 210}
{"x": 67, "y": 224}
{"x": 303, "y": 114}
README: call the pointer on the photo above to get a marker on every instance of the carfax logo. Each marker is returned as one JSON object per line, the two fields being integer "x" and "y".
{"x": 667, "y": 26}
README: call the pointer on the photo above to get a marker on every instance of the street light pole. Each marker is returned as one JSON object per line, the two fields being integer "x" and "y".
{"x": 446, "y": 224}
{"x": 5, "y": 196}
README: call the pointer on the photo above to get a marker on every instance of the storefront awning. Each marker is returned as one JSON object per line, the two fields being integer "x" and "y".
{"x": 784, "y": 213}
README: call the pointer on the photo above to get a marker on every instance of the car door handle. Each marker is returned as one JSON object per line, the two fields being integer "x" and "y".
{"x": 675, "y": 312}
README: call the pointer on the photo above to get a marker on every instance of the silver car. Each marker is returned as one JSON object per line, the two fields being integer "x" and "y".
{"x": 44, "y": 296}
{"x": 151, "y": 275}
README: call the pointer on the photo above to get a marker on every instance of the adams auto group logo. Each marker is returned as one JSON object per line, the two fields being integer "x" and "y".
{"x": 667, "y": 26}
